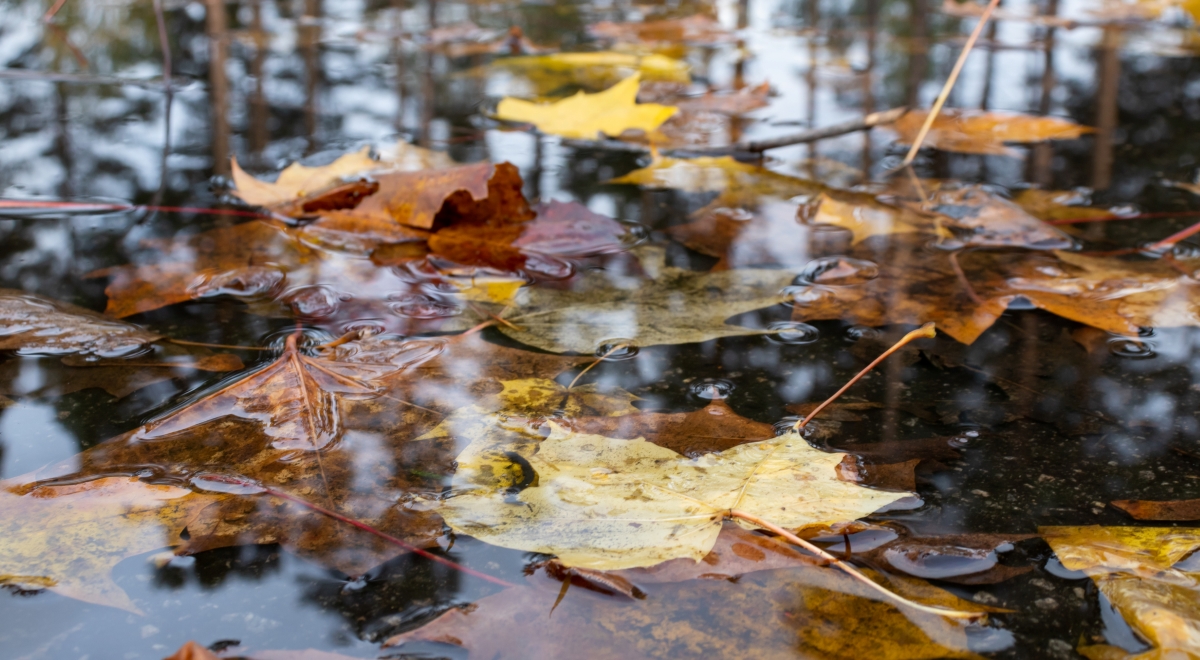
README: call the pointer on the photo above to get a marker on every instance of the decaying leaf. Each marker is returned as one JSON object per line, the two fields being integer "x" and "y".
{"x": 34, "y": 324}
{"x": 771, "y": 234}
{"x": 696, "y": 29}
{"x": 297, "y": 180}
{"x": 806, "y": 611}
{"x": 738, "y": 102}
{"x": 673, "y": 306}
{"x": 606, "y": 503}
{"x": 984, "y": 219}
{"x": 587, "y": 116}
{"x": 985, "y": 133}
{"x": 713, "y": 428}
{"x": 68, "y": 538}
{"x": 1136, "y": 569}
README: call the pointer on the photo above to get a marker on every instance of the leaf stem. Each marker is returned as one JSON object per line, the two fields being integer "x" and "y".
{"x": 850, "y": 570}
{"x": 358, "y": 525}
{"x": 926, "y": 331}
{"x": 597, "y": 361}
{"x": 945, "y": 93}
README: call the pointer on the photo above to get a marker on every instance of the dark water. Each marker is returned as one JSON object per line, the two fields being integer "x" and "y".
{"x": 1049, "y": 433}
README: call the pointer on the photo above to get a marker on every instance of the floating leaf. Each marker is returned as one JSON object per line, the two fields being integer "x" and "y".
{"x": 297, "y": 180}
{"x": 810, "y": 611}
{"x": 586, "y": 116}
{"x": 34, "y": 324}
{"x": 739, "y": 102}
{"x": 599, "y": 69}
{"x": 914, "y": 282}
{"x": 1135, "y": 568}
{"x": 68, "y": 538}
{"x": 605, "y": 503}
{"x": 674, "y": 306}
{"x": 740, "y": 184}
{"x": 988, "y": 220}
{"x": 985, "y": 133}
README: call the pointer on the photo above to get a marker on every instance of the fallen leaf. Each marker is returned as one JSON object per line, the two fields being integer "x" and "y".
{"x": 713, "y": 428}
{"x": 739, "y": 102}
{"x": 739, "y": 184}
{"x": 673, "y": 306}
{"x": 811, "y": 611}
{"x": 67, "y": 538}
{"x": 985, "y": 133}
{"x": 379, "y": 460}
{"x": 695, "y": 29}
{"x": 771, "y": 234}
{"x": 864, "y": 216}
{"x": 606, "y": 503}
{"x": 907, "y": 281}
{"x": 586, "y": 116}
{"x": 1051, "y": 205}
{"x": 1177, "y": 510}
{"x": 34, "y": 324}
{"x": 988, "y": 220}
{"x": 597, "y": 70}
{"x": 1135, "y": 568}
{"x": 298, "y": 182}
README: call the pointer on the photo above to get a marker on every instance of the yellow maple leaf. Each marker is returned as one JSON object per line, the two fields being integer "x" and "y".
{"x": 611, "y": 112}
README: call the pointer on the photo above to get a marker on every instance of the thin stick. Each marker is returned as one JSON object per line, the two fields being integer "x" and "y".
{"x": 945, "y": 93}
{"x": 184, "y": 342}
{"x": 1174, "y": 238}
{"x": 851, "y": 571}
{"x": 358, "y": 525}
{"x": 926, "y": 331}
{"x": 598, "y": 360}
{"x": 49, "y": 15}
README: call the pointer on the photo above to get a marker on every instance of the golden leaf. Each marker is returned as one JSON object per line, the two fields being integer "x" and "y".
{"x": 585, "y": 116}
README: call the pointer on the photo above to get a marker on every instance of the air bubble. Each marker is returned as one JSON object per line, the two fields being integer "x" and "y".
{"x": 792, "y": 333}
{"x": 805, "y": 295}
{"x": 1131, "y": 348}
{"x": 365, "y": 327}
{"x": 309, "y": 338}
{"x": 787, "y": 424}
{"x": 617, "y": 349}
{"x": 248, "y": 282}
{"x": 838, "y": 271}
{"x": 712, "y": 389}
{"x": 861, "y": 332}
{"x": 314, "y": 301}
{"x": 939, "y": 563}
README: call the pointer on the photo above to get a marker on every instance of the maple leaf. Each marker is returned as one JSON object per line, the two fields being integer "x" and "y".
{"x": 399, "y": 390}
{"x": 585, "y": 116}
{"x": 67, "y": 538}
{"x": 781, "y": 613}
{"x": 34, "y": 324}
{"x": 674, "y": 306}
{"x": 988, "y": 220}
{"x": 1136, "y": 570}
{"x": 985, "y": 133}
{"x": 606, "y": 503}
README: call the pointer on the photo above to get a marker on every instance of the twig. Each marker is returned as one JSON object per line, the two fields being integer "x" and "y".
{"x": 962, "y": 277}
{"x": 597, "y": 361}
{"x": 184, "y": 342}
{"x": 851, "y": 571}
{"x": 49, "y": 15}
{"x": 1111, "y": 218}
{"x": 756, "y": 146}
{"x": 246, "y": 483}
{"x": 926, "y": 331}
{"x": 945, "y": 93}
{"x": 1171, "y": 240}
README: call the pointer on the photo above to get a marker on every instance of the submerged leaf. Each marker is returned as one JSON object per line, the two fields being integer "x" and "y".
{"x": 587, "y": 116}
{"x": 1160, "y": 510}
{"x": 806, "y": 611}
{"x": 606, "y": 503}
{"x": 674, "y": 306}
{"x": 696, "y": 29}
{"x": 68, "y": 538}
{"x": 33, "y": 324}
